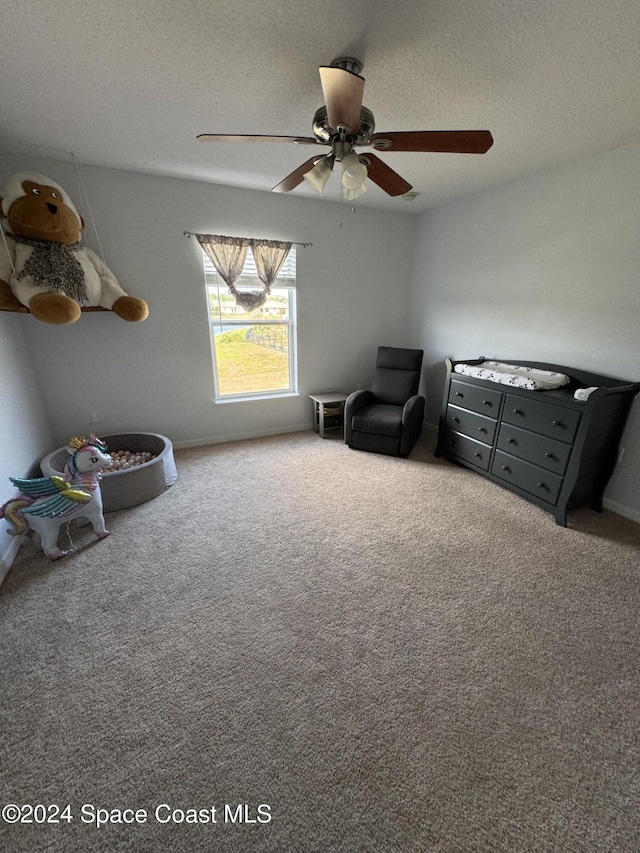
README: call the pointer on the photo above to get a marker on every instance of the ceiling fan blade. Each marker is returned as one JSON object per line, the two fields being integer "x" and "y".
{"x": 243, "y": 137}
{"x": 295, "y": 178}
{"x": 386, "y": 178}
{"x": 446, "y": 141}
{"x": 343, "y": 91}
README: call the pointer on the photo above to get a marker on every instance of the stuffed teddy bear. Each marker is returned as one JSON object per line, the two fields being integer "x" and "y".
{"x": 42, "y": 264}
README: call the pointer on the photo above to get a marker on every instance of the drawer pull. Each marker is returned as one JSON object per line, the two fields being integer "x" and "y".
{"x": 549, "y": 456}
{"x": 511, "y": 441}
{"x": 482, "y": 429}
{"x": 542, "y": 485}
{"x": 557, "y": 423}
{"x": 456, "y": 420}
{"x": 506, "y": 468}
{"x": 459, "y": 394}
{"x": 479, "y": 455}
{"x": 487, "y": 403}
{"x": 517, "y": 411}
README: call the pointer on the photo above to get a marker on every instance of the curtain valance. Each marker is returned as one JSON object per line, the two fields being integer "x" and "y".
{"x": 228, "y": 255}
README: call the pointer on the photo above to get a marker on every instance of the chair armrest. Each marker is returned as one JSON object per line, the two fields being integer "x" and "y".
{"x": 413, "y": 411}
{"x": 412, "y": 423}
{"x": 354, "y": 402}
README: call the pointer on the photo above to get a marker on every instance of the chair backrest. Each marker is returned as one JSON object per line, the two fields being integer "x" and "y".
{"x": 397, "y": 375}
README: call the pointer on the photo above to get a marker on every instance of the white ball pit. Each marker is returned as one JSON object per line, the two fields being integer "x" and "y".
{"x": 128, "y": 486}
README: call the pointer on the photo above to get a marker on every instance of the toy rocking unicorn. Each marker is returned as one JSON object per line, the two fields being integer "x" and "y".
{"x": 46, "y": 502}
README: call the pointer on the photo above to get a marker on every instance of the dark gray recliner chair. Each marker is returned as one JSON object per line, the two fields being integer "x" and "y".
{"x": 388, "y": 419}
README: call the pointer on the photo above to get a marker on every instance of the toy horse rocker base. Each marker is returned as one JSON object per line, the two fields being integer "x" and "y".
{"x": 47, "y": 502}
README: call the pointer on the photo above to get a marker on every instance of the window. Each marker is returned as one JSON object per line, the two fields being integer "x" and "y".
{"x": 254, "y": 353}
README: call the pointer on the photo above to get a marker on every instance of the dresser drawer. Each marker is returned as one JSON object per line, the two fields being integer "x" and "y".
{"x": 467, "y": 449}
{"x": 537, "y": 449}
{"x": 530, "y": 478}
{"x": 485, "y": 401}
{"x": 471, "y": 424}
{"x": 544, "y": 418}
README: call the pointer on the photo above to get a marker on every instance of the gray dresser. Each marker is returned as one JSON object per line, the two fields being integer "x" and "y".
{"x": 545, "y": 445}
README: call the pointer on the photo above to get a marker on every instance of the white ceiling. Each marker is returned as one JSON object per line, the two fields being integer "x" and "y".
{"x": 130, "y": 83}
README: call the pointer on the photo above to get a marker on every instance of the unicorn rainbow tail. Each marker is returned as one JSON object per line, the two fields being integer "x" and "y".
{"x": 11, "y": 510}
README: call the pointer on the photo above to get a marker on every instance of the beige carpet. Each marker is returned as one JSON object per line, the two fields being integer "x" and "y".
{"x": 392, "y": 655}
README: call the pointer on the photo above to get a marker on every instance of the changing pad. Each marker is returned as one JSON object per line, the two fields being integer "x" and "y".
{"x": 517, "y": 375}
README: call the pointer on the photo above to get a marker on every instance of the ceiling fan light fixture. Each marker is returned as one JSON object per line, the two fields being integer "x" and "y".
{"x": 352, "y": 195}
{"x": 319, "y": 175}
{"x": 354, "y": 172}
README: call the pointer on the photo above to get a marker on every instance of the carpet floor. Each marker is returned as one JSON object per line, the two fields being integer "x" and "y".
{"x": 300, "y": 647}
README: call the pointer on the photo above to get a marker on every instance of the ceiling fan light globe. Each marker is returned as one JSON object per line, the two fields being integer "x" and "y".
{"x": 354, "y": 173}
{"x": 318, "y": 176}
{"x": 352, "y": 195}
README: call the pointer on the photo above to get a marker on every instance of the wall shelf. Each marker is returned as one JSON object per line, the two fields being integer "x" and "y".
{"x": 23, "y": 310}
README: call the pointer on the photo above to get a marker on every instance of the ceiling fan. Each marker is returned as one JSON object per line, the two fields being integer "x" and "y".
{"x": 344, "y": 124}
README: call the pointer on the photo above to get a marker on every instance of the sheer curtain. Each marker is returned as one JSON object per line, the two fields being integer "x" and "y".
{"x": 228, "y": 255}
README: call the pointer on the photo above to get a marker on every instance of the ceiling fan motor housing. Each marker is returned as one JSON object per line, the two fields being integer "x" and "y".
{"x": 347, "y": 63}
{"x": 324, "y": 133}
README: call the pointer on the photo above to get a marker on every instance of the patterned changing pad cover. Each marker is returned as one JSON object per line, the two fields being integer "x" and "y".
{"x": 530, "y": 378}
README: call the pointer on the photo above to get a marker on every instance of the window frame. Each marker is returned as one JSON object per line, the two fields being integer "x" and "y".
{"x": 215, "y": 286}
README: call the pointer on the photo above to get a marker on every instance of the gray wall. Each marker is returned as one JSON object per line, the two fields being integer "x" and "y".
{"x": 157, "y": 376}
{"x": 546, "y": 268}
{"x": 25, "y": 436}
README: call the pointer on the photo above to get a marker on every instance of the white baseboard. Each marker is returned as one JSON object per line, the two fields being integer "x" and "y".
{"x": 241, "y": 436}
{"x": 621, "y": 509}
{"x": 6, "y": 561}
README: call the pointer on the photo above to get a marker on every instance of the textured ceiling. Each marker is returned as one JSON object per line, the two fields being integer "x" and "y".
{"x": 130, "y": 84}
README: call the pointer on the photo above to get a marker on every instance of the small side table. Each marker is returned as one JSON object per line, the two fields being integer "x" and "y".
{"x": 328, "y": 411}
